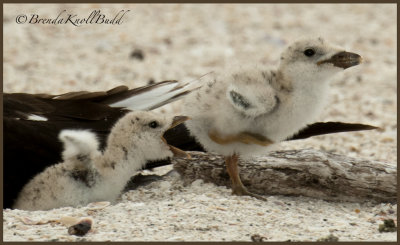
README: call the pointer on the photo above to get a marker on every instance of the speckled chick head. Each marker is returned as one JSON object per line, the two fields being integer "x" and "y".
{"x": 313, "y": 60}
{"x": 140, "y": 133}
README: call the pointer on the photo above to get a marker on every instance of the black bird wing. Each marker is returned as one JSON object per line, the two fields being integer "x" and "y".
{"x": 321, "y": 128}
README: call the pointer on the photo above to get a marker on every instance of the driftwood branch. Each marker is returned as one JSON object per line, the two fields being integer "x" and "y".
{"x": 306, "y": 172}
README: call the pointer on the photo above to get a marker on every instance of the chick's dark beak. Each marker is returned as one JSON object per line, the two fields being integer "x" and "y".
{"x": 343, "y": 60}
{"x": 176, "y": 151}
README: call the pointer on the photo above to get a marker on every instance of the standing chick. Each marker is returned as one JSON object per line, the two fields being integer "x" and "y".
{"x": 88, "y": 175}
{"x": 244, "y": 112}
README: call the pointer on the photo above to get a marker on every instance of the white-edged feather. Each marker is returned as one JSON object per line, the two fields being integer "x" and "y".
{"x": 33, "y": 117}
{"x": 155, "y": 97}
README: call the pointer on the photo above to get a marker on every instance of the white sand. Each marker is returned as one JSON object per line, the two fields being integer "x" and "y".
{"x": 184, "y": 42}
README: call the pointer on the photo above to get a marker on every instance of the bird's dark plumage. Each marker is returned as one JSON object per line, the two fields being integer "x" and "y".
{"x": 321, "y": 128}
{"x": 31, "y": 145}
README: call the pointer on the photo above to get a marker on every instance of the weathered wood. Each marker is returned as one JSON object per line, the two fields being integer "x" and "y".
{"x": 305, "y": 172}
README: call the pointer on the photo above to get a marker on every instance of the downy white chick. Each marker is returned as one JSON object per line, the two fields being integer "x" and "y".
{"x": 88, "y": 175}
{"x": 243, "y": 112}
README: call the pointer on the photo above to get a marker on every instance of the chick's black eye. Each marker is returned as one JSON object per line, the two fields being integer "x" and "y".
{"x": 153, "y": 124}
{"x": 309, "y": 52}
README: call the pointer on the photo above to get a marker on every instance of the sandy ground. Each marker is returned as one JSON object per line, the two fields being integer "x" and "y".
{"x": 184, "y": 42}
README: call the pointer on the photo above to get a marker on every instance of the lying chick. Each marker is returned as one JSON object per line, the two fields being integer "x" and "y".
{"x": 89, "y": 175}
